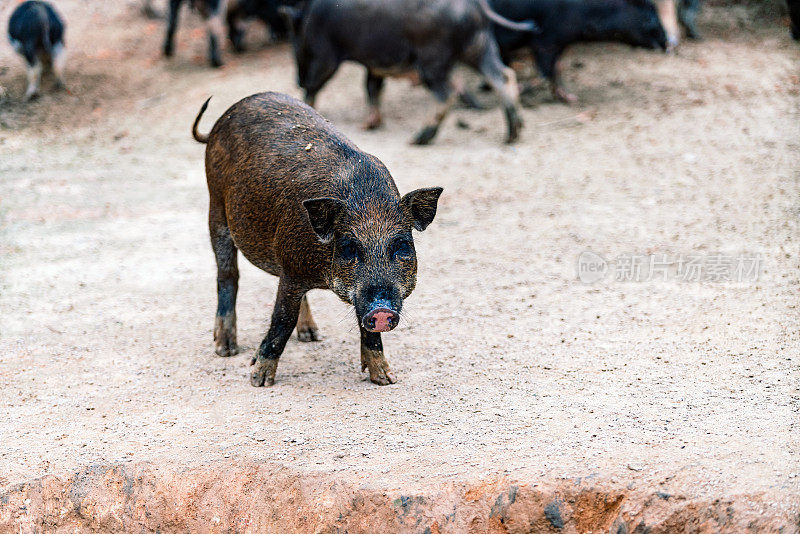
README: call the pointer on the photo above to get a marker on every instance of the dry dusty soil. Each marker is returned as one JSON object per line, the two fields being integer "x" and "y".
{"x": 527, "y": 400}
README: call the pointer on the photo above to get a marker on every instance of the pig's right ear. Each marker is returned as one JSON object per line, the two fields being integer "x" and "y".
{"x": 323, "y": 214}
{"x": 421, "y": 205}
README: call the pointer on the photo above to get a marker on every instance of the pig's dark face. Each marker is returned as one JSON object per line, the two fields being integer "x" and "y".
{"x": 373, "y": 264}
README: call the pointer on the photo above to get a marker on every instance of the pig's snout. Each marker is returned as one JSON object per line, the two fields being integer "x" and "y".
{"x": 380, "y": 320}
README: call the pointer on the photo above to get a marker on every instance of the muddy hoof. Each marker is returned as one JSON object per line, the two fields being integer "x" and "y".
{"x": 226, "y": 349}
{"x": 425, "y": 136}
{"x": 514, "y": 127}
{"x": 225, "y": 336}
{"x": 379, "y": 372}
{"x": 307, "y": 334}
{"x": 264, "y": 373}
{"x": 383, "y": 377}
{"x": 370, "y": 124}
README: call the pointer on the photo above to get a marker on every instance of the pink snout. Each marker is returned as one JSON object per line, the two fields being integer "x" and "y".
{"x": 381, "y": 320}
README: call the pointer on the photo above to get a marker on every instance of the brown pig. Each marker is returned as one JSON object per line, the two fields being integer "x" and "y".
{"x": 302, "y": 202}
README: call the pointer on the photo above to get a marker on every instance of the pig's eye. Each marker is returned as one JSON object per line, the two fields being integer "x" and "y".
{"x": 348, "y": 250}
{"x": 402, "y": 251}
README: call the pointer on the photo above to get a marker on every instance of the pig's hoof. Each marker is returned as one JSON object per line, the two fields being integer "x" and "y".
{"x": 383, "y": 377}
{"x": 513, "y": 131}
{"x": 372, "y": 123}
{"x": 264, "y": 373}
{"x": 226, "y": 348}
{"x": 568, "y": 98}
{"x": 308, "y": 333}
{"x": 216, "y": 62}
{"x": 513, "y": 135}
{"x": 225, "y": 336}
{"x": 425, "y": 136}
{"x": 379, "y": 372}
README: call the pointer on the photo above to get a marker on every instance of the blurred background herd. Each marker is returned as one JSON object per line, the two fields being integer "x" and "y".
{"x": 418, "y": 39}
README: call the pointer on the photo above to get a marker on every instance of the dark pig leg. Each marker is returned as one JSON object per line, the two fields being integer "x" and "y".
{"x": 307, "y": 329}
{"x": 236, "y": 30}
{"x": 172, "y": 25}
{"x": 34, "y": 74}
{"x": 321, "y": 69}
{"x": 372, "y": 358}
{"x": 504, "y": 81}
{"x": 687, "y": 15}
{"x": 374, "y": 88}
{"x": 58, "y": 65}
{"x": 284, "y": 319}
{"x": 444, "y": 93}
{"x": 547, "y": 63}
{"x": 227, "y": 282}
{"x": 216, "y": 33}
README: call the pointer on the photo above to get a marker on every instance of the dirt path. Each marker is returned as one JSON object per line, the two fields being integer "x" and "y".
{"x": 512, "y": 372}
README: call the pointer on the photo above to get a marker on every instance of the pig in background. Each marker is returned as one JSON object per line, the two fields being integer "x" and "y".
{"x": 401, "y": 37}
{"x": 302, "y": 202}
{"x": 221, "y": 13}
{"x": 565, "y": 22}
{"x": 36, "y": 31}
{"x": 794, "y": 16}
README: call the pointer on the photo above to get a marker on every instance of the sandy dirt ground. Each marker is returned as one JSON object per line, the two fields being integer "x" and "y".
{"x": 509, "y": 367}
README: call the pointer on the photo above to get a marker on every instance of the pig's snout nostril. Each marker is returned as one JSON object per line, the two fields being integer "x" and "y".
{"x": 381, "y": 320}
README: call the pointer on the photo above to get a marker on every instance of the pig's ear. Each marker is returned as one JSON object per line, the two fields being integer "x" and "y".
{"x": 420, "y": 206}
{"x": 323, "y": 214}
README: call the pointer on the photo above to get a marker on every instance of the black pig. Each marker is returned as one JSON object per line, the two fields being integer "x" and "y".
{"x": 398, "y": 37}
{"x": 302, "y": 202}
{"x": 794, "y": 16}
{"x": 234, "y": 12}
{"x": 36, "y": 32}
{"x": 564, "y": 22}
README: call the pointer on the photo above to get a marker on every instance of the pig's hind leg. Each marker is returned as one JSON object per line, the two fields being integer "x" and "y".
{"x": 503, "y": 80}
{"x": 284, "y": 319}
{"x": 58, "y": 60}
{"x": 34, "y": 65}
{"x": 374, "y": 87}
{"x": 547, "y": 63}
{"x": 172, "y": 26}
{"x": 216, "y": 35}
{"x": 372, "y": 358}
{"x": 306, "y": 326}
{"x": 687, "y": 15}
{"x": 442, "y": 89}
{"x": 227, "y": 281}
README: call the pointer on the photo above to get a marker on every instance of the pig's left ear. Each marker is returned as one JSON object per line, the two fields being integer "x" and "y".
{"x": 420, "y": 206}
{"x": 323, "y": 214}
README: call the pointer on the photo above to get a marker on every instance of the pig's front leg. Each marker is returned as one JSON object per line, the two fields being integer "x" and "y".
{"x": 284, "y": 319}
{"x": 372, "y": 358}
